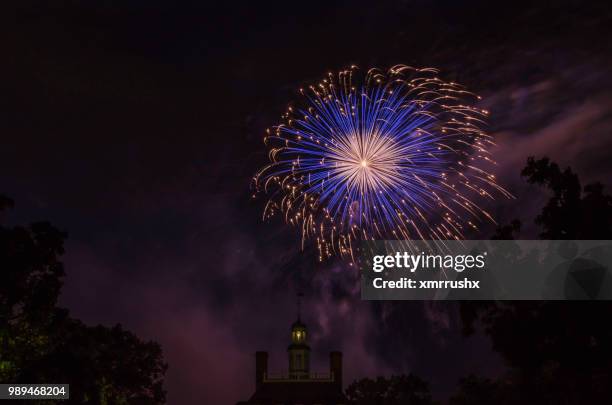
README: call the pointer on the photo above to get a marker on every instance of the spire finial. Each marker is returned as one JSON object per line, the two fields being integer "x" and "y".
{"x": 300, "y": 295}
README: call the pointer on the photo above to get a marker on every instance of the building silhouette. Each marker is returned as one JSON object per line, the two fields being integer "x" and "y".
{"x": 299, "y": 386}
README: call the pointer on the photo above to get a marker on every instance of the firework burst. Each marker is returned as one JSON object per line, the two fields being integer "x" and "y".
{"x": 382, "y": 155}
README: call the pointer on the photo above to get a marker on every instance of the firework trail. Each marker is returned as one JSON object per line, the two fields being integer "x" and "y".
{"x": 381, "y": 155}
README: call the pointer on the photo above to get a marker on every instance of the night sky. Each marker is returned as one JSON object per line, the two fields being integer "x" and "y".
{"x": 137, "y": 127}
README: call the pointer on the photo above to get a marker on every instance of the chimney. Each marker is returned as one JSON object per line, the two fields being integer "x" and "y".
{"x": 261, "y": 367}
{"x": 335, "y": 366}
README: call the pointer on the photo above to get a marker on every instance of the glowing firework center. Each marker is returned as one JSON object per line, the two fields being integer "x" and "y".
{"x": 392, "y": 155}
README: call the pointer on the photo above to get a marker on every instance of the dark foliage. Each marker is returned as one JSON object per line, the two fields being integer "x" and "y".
{"x": 571, "y": 213}
{"x": 475, "y": 390}
{"x": 40, "y": 343}
{"x": 557, "y": 352}
{"x": 507, "y": 232}
{"x": 396, "y": 390}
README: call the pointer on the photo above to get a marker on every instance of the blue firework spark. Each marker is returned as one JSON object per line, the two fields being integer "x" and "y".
{"x": 389, "y": 155}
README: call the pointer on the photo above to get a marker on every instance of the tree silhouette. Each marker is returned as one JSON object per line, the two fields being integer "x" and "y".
{"x": 395, "y": 390}
{"x": 507, "y": 232}
{"x": 557, "y": 352}
{"x": 31, "y": 281}
{"x": 570, "y": 214}
{"x": 475, "y": 390}
{"x": 41, "y": 343}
